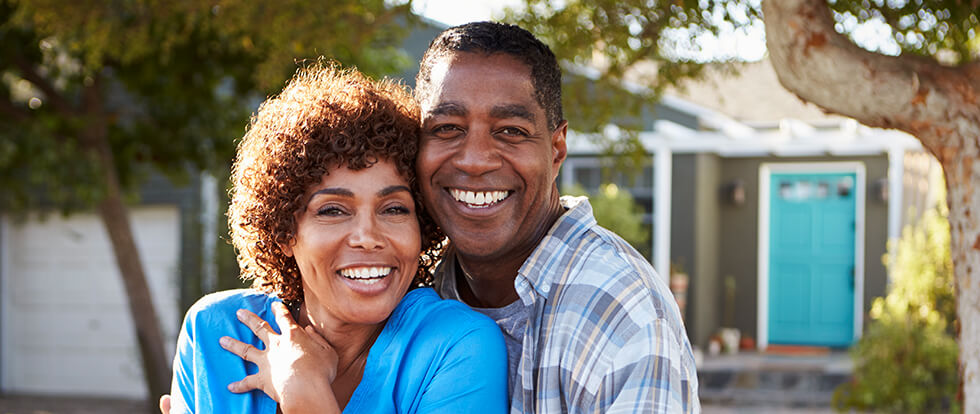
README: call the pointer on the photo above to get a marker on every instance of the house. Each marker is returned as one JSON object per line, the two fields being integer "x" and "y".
{"x": 780, "y": 222}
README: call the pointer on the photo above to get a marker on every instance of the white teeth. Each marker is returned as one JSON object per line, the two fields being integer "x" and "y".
{"x": 478, "y": 199}
{"x": 366, "y": 274}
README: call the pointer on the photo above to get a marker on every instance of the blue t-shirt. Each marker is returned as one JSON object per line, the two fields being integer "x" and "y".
{"x": 433, "y": 355}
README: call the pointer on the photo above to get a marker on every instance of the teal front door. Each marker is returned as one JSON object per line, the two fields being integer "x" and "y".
{"x": 811, "y": 258}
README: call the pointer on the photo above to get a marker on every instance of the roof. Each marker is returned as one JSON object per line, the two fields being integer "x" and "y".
{"x": 749, "y": 92}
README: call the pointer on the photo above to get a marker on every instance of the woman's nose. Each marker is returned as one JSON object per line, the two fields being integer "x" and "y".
{"x": 366, "y": 234}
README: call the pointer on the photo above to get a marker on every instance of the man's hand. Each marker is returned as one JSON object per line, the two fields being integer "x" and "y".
{"x": 298, "y": 363}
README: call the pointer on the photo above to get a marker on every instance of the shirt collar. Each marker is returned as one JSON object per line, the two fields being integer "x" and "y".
{"x": 537, "y": 269}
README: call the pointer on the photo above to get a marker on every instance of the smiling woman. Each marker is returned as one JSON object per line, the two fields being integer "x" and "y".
{"x": 327, "y": 222}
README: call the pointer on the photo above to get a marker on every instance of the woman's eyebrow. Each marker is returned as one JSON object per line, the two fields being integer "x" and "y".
{"x": 393, "y": 189}
{"x": 343, "y": 192}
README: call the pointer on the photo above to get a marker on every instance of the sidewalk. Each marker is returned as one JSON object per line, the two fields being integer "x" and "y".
{"x": 35, "y": 404}
{"x": 756, "y": 382}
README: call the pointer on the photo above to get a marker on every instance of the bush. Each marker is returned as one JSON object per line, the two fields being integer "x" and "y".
{"x": 907, "y": 359}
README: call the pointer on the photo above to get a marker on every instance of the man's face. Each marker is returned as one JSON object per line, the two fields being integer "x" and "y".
{"x": 488, "y": 161}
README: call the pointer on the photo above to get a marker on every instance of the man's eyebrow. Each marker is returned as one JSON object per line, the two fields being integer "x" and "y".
{"x": 450, "y": 109}
{"x": 393, "y": 189}
{"x": 512, "y": 111}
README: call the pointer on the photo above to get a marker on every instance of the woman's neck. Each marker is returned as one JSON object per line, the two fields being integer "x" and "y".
{"x": 351, "y": 342}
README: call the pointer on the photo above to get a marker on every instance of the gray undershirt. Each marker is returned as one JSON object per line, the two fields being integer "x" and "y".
{"x": 512, "y": 319}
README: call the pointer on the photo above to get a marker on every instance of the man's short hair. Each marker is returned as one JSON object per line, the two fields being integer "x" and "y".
{"x": 490, "y": 38}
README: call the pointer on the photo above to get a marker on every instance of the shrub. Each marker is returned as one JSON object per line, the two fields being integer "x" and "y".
{"x": 907, "y": 359}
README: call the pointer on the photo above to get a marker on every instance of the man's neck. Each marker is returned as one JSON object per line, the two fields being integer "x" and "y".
{"x": 489, "y": 283}
{"x": 487, "y": 289}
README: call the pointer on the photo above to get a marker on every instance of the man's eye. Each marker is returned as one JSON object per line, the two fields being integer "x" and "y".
{"x": 512, "y": 131}
{"x": 446, "y": 130}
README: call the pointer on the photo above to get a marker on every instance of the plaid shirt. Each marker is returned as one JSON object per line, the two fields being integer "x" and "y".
{"x": 604, "y": 334}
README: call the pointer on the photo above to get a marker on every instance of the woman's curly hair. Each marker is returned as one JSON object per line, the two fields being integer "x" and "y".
{"x": 325, "y": 117}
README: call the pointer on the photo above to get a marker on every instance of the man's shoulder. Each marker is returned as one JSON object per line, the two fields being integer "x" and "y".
{"x": 608, "y": 277}
{"x": 599, "y": 254}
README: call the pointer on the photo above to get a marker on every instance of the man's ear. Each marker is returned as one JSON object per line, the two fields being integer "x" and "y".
{"x": 559, "y": 148}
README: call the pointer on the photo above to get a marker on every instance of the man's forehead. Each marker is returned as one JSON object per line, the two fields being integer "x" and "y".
{"x": 474, "y": 73}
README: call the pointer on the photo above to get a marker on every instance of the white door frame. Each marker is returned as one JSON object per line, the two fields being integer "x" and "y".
{"x": 765, "y": 175}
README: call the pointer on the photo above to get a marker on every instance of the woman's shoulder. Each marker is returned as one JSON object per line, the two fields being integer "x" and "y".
{"x": 227, "y": 302}
{"x": 423, "y": 311}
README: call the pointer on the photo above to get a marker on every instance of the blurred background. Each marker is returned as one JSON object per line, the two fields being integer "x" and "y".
{"x": 809, "y": 253}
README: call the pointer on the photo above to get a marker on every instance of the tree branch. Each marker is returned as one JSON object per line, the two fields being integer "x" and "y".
{"x": 17, "y": 113}
{"x": 57, "y": 101}
{"x": 916, "y": 95}
{"x": 379, "y": 22}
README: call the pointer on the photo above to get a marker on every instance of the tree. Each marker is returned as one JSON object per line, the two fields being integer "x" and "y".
{"x": 931, "y": 90}
{"x": 94, "y": 95}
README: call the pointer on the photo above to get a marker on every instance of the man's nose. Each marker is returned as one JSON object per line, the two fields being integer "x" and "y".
{"x": 478, "y": 155}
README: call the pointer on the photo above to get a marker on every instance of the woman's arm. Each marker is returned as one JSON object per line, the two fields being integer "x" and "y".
{"x": 295, "y": 369}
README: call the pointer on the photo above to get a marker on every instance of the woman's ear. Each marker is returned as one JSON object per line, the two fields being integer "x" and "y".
{"x": 287, "y": 247}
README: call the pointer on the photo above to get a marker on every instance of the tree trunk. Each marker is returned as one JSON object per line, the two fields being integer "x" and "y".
{"x": 149, "y": 335}
{"x": 935, "y": 103}
{"x": 115, "y": 216}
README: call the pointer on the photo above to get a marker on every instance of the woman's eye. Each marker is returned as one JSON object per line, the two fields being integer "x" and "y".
{"x": 330, "y": 211}
{"x": 397, "y": 210}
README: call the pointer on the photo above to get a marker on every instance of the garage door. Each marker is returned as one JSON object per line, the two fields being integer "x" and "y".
{"x": 64, "y": 318}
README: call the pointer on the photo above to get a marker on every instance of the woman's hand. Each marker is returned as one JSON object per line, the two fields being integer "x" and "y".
{"x": 295, "y": 369}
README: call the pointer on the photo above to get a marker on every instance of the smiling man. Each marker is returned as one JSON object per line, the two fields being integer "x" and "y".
{"x": 589, "y": 325}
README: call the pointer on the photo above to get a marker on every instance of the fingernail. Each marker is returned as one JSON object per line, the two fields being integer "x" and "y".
{"x": 240, "y": 313}
{"x": 224, "y": 341}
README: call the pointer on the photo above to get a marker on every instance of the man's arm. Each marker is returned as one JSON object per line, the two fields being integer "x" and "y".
{"x": 652, "y": 372}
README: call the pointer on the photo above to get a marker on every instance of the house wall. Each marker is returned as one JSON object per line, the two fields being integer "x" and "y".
{"x": 707, "y": 287}
{"x": 738, "y": 238}
{"x": 184, "y": 275}
{"x": 683, "y": 232}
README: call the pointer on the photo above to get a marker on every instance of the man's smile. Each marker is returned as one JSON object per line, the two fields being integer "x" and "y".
{"x": 478, "y": 199}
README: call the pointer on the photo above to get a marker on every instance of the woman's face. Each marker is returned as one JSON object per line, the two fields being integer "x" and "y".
{"x": 357, "y": 245}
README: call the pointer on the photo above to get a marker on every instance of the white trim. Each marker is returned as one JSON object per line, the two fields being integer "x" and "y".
{"x": 5, "y": 311}
{"x": 662, "y": 175}
{"x": 896, "y": 173}
{"x": 860, "y": 193}
{"x": 762, "y": 302}
{"x": 759, "y": 142}
{"x": 209, "y": 232}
